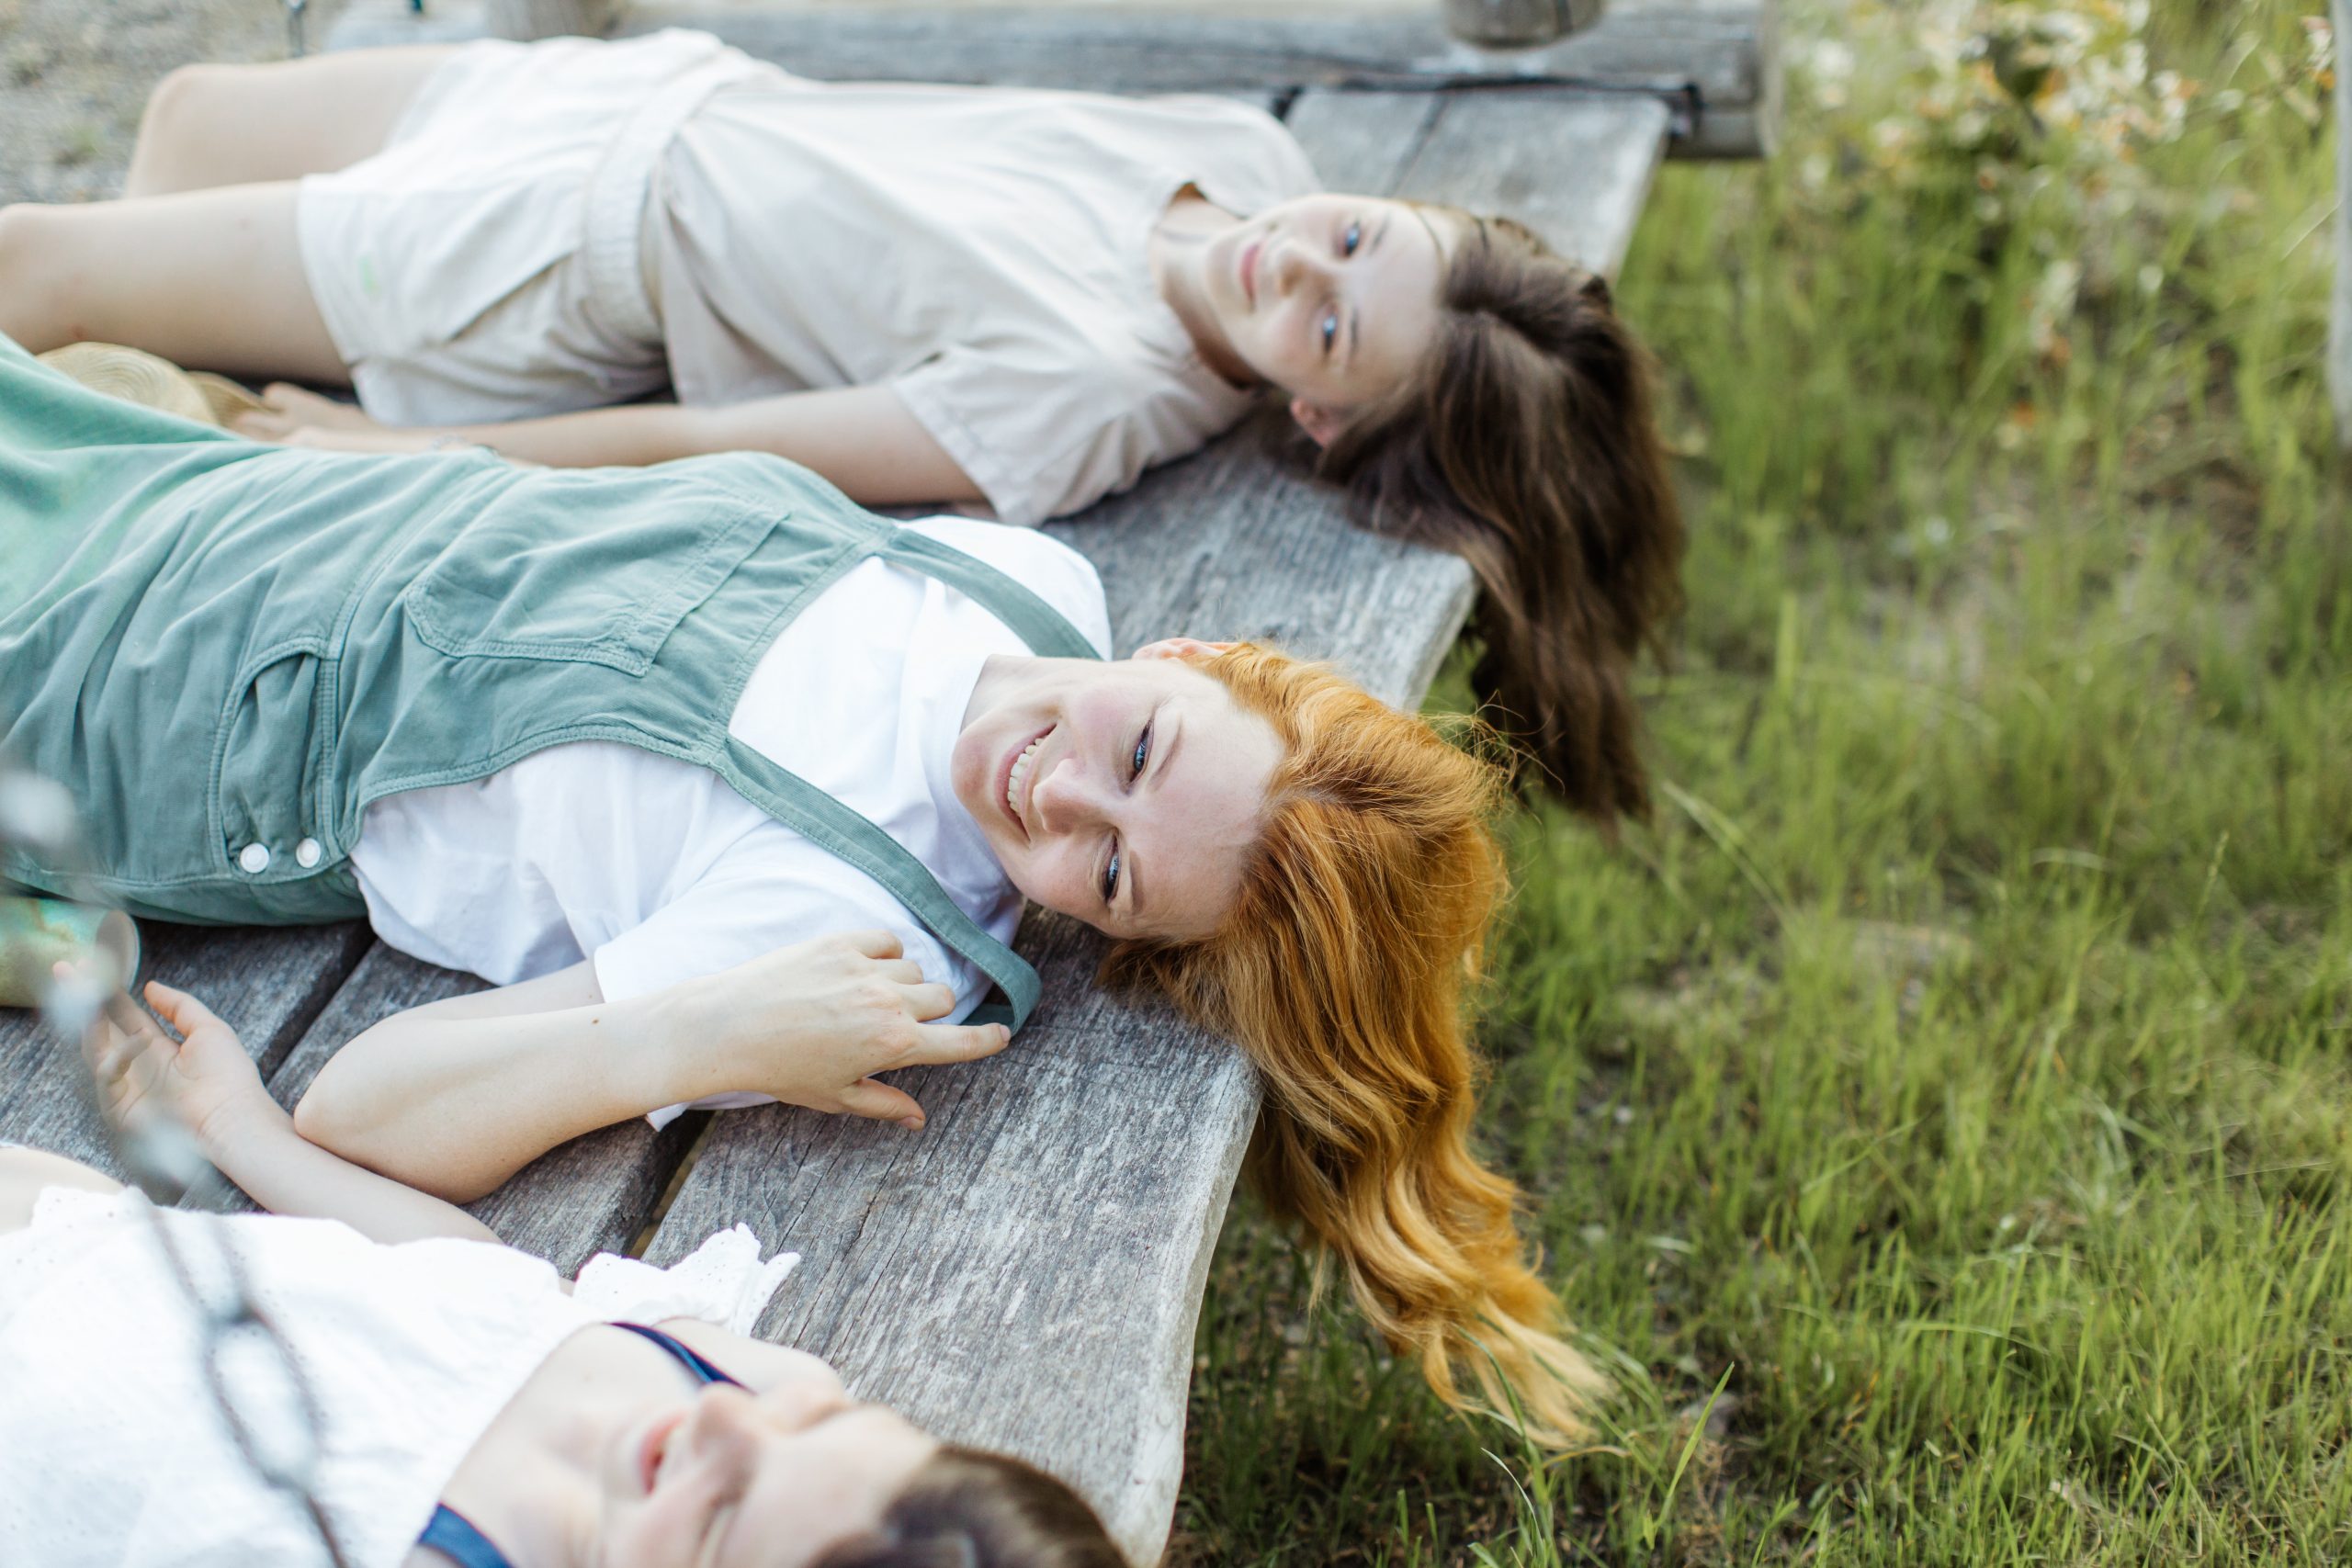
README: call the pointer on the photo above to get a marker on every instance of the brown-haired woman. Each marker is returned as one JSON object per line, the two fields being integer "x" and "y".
{"x": 928, "y": 294}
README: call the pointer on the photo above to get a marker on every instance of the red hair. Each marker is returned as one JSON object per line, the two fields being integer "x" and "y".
{"x": 1344, "y": 970}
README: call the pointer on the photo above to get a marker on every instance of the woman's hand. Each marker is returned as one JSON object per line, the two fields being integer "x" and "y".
{"x": 298, "y": 418}
{"x": 290, "y": 409}
{"x": 204, "y": 1079}
{"x": 813, "y": 1022}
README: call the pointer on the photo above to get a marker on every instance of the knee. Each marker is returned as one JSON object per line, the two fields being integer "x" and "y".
{"x": 174, "y": 123}
{"x": 33, "y": 308}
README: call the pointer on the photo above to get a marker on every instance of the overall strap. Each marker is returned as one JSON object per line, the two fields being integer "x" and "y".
{"x": 855, "y": 839}
{"x": 852, "y": 838}
{"x": 1046, "y": 631}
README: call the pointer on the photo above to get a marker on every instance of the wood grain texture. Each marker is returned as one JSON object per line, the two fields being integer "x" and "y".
{"x": 1023, "y": 1274}
{"x": 594, "y": 1194}
{"x": 268, "y": 985}
{"x": 1026, "y": 1273}
{"x": 527, "y": 19}
{"x": 1716, "y": 62}
{"x": 1574, "y": 167}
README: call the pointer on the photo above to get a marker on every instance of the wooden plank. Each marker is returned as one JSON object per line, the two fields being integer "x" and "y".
{"x": 1026, "y": 1273}
{"x": 1717, "y": 62}
{"x": 1573, "y": 167}
{"x": 2340, "y": 331}
{"x": 594, "y": 1194}
{"x": 550, "y": 18}
{"x": 268, "y": 985}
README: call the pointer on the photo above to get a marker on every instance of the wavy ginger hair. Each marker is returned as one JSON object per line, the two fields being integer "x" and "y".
{"x": 1344, "y": 972}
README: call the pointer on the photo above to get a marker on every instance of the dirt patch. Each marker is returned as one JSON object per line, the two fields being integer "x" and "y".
{"x": 73, "y": 77}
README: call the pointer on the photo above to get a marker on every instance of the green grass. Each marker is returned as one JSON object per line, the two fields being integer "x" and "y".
{"x": 1958, "y": 1077}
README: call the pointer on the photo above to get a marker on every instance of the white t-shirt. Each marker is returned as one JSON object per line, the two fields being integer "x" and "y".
{"x": 113, "y": 1454}
{"x": 982, "y": 251}
{"x": 658, "y": 872}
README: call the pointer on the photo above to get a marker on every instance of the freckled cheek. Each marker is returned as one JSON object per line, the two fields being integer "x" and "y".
{"x": 1062, "y": 884}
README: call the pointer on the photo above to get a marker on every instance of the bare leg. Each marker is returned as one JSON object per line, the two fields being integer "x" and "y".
{"x": 227, "y": 125}
{"x": 210, "y": 279}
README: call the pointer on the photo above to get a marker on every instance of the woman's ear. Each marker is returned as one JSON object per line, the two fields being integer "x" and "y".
{"x": 1181, "y": 648}
{"x": 1322, "y": 423}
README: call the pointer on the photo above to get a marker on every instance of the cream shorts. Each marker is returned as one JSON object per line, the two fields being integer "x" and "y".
{"x": 485, "y": 265}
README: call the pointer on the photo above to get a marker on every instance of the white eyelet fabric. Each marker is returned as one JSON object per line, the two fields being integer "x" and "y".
{"x": 112, "y": 1454}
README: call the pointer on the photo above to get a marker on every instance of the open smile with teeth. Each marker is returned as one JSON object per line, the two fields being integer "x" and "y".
{"x": 1017, "y": 780}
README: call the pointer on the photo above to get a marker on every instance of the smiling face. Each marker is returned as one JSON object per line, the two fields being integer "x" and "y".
{"x": 1333, "y": 299}
{"x": 723, "y": 1478}
{"x": 1125, "y": 793}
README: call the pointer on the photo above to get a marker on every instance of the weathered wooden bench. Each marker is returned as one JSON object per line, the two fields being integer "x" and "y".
{"x": 1026, "y": 1272}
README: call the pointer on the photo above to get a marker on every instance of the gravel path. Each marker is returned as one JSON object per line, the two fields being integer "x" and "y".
{"x": 74, "y": 74}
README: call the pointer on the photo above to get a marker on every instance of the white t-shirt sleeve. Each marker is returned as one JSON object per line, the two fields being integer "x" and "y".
{"x": 764, "y": 893}
{"x": 1043, "y": 429}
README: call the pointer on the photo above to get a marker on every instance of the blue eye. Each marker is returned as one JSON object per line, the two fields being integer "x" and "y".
{"x": 1143, "y": 755}
{"x": 1353, "y": 238}
{"x": 1111, "y": 878}
{"x": 1330, "y": 327}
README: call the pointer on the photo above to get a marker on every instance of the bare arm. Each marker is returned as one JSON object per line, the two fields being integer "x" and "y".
{"x": 458, "y": 1096}
{"x": 206, "y": 1081}
{"x": 862, "y": 438}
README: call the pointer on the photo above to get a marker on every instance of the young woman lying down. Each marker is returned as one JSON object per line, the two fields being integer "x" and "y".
{"x": 595, "y": 734}
{"x": 926, "y": 293}
{"x": 474, "y": 1409}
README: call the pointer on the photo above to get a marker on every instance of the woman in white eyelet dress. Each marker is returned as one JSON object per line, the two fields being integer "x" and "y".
{"x": 450, "y": 1372}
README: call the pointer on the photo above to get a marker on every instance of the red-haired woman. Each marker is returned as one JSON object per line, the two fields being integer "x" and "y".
{"x": 928, "y": 294}
{"x": 648, "y": 747}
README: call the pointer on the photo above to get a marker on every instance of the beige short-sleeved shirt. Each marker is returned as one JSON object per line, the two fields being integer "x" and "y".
{"x": 983, "y": 252}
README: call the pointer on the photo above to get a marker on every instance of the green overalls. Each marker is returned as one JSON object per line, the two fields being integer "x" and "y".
{"x": 228, "y": 650}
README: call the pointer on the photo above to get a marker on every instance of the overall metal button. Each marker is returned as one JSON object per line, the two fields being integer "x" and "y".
{"x": 253, "y": 859}
{"x": 307, "y": 854}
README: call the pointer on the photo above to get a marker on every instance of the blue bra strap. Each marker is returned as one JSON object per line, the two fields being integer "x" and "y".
{"x": 702, "y": 1369}
{"x": 453, "y": 1535}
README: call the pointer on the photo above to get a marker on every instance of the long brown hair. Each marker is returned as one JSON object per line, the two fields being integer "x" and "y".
{"x": 1527, "y": 444}
{"x": 966, "y": 1508}
{"x": 1344, "y": 970}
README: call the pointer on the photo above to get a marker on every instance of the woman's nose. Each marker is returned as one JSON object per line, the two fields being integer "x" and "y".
{"x": 1066, "y": 797}
{"x": 724, "y": 1421}
{"x": 1294, "y": 266}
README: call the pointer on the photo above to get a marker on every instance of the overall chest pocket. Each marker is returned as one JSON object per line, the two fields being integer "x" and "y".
{"x": 589, "y": 568}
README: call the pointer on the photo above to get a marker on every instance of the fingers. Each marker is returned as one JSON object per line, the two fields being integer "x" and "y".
{"x": 182, "y": 1011}
{"x": 875, "y": 944}
{"x": 270, "y": 423}
{"x": 931, "y": 1000}
{"x": 937, "y": 1042}
{"x": 129, "y": 1020}
{"x": 871, "y": 1097}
